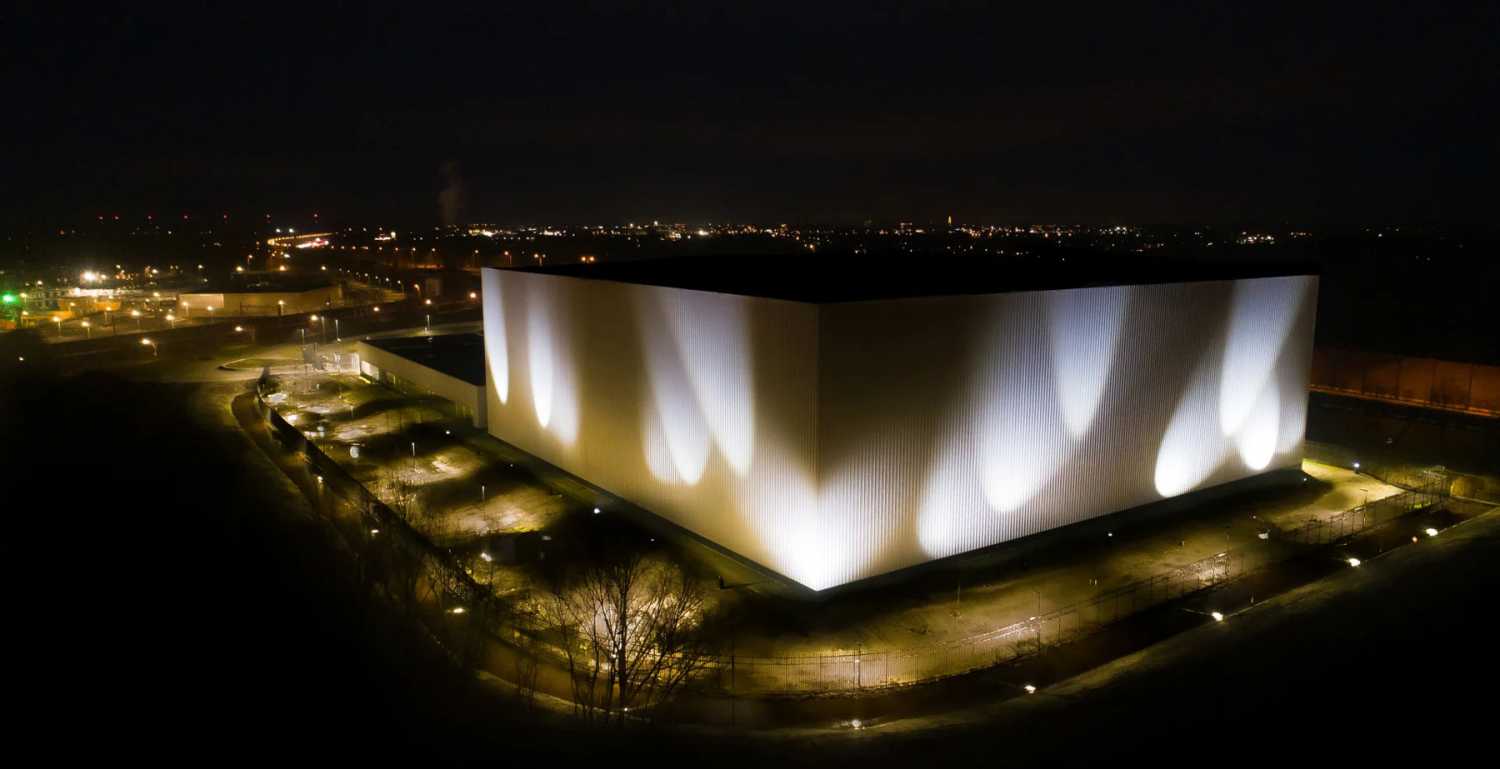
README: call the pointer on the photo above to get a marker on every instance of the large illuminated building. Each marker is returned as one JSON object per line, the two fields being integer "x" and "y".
{"x": 835, "y": 435}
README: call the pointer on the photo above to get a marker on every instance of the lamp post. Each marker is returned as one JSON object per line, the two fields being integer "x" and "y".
{"x": 172, "y": 319}
{"x": 137, "y": 315}
{"x": 280, "y": 305}
{"x": 87, "y": 332}
{"x": 58, "y": 320}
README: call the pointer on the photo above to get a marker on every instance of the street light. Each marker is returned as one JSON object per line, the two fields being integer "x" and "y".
{"x": 58, "y": 320}
{"x": 280, "y": 304}
{"x": 88, "y": 334}
{"x": 137, "y": 315}
{"x": 172, "y": 319}
{"x": 147, "y": 341}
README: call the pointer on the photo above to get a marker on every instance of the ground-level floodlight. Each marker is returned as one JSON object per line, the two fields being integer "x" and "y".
{"x": 856, "y": 724}
{"x": 456, "y": 610}
{"x": 596, "y": 511}
{"x": 373, "y": 532}
{"x": 1431, "y": 532}
{"x": 1029, "y": 689}
{"x": 1218, "y": 616}
{"x": 147, "y": 341}
{"x": 1354, "y": 561}
{"x": 1356, "y": 465}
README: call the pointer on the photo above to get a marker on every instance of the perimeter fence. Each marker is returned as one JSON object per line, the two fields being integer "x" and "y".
{"x": 440, "y": 580}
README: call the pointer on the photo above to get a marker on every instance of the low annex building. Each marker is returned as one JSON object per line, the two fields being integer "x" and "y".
{"x": 449, "y": 366}
{"x": 832, "y": 432}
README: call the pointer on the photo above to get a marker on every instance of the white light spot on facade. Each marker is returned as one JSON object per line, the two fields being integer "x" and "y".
{"x": 1261, "y": 317}
{"x": 496, "y": 349}
{"x": 1256, "y": 440}
{"x": 1083, "y": 326}
{"x": 1193, "y": 446}
{"x": 1022, "y": 438}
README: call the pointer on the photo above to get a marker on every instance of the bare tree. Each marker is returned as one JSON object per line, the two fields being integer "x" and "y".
{"x": 565, "y": 614}
{"x": 631, "y": 630}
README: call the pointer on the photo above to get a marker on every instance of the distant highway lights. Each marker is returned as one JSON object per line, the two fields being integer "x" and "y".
{"x": 147, "y": 341}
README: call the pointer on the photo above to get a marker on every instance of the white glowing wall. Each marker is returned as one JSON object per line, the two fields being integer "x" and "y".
{"x": 841, "y": 441}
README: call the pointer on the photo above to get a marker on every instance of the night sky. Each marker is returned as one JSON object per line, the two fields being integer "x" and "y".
{"x": 802, "y": 112}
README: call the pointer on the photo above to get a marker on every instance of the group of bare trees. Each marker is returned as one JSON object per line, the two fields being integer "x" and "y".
{"x": 629, "y": 629}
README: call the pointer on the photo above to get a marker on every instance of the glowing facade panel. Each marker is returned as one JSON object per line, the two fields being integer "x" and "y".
{"x": 836, "y": 442}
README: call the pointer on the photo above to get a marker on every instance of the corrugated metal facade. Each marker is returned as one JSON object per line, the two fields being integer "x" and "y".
{"x": 836, "y": 442}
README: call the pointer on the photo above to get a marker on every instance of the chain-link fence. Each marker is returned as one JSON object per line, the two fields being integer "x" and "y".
{"x": 1068, "y": 623}
{"x": 440, "y": 583}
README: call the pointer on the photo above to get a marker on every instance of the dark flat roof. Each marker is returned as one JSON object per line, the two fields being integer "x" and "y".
{"x": 460, "y": 356}
{"x": 262, "y": 282}
{"x": 844, "y": 277}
